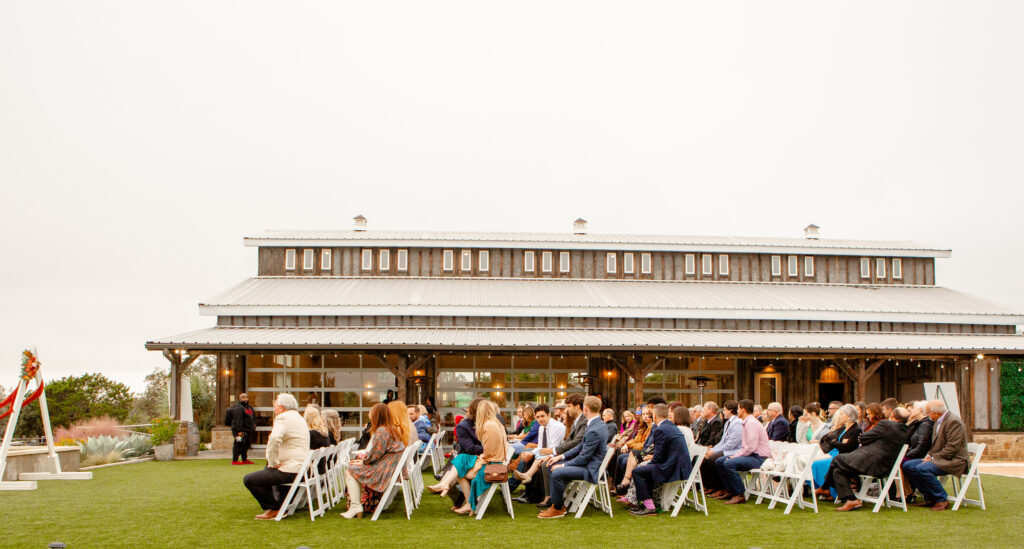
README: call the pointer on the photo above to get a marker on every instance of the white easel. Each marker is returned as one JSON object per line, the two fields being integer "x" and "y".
{"x": 28, "y": 480}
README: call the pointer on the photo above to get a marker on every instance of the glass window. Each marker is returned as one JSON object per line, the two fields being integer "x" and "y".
{"x": 723, "y": 264}
{"x": 448, "y": 260}
{"x": 691, "y": 264}
{"x": 385, "y": 260}
{"x": 307, "y": 260}
{"x": 563, "y": 262}
{"x": 528, "y": 261}
{"x": 546, "y": 262}
{"x": 483, "y": 261}
{"x": 645, "y": 263}
{"x": 706, "y": 264}
{"x": 402, "y": 260}
{"x": 809, "y": 266}
{"x": 865, "y": 267}
{"x": 367, "y": 260}
{"x": 627, "y": 263}
{"x": 776, "y": 265}
{"x": 880, "y": 267}
{"x": 325, "y": 260}
{"x": 609, "y": 263}
{"x": 794, "y": 265}
{"x": 467, "y": 260}
{"x": 897, "y": 267}
{"x": 289, "y": 260}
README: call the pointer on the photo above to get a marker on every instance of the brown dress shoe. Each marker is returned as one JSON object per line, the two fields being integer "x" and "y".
{"x": 850, "y": 505}
{"x": 269, "y": 514}
{"x": 719, "y": 494}
{"x": 551, "y": 513}
{"x": 923, "y": 503}
{"x": 736, "y": 500}
{"x": 940, "y": 506}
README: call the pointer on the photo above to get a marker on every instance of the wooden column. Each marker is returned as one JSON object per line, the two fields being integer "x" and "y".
{"x": 400, "y": 365}
{"x": 637, "y": 368}
{"x": 860, "y": 371}
{"x": 179, "y": 361}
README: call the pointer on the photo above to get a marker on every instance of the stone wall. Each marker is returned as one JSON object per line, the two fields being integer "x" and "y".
{"x": 1001, "y": 446}
{"x": 35, "y": 459}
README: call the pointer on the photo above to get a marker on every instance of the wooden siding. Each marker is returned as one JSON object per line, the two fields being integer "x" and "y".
{"x": 744, "y": 267}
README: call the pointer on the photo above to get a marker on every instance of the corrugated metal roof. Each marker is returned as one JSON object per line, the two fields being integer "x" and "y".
{"x": 587, "y": 339}
{"x": 397, "y": 296}
{"x": 592, "y": 241}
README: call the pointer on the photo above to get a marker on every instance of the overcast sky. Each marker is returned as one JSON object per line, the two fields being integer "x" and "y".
{"x": 140, "y": 141}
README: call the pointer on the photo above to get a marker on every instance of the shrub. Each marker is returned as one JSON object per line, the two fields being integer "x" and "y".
{"x": 1011, "y": 388}
{"x": 112, "y": 456}
{"x": 162, "y": 431}
{"x": 92, "y": 427}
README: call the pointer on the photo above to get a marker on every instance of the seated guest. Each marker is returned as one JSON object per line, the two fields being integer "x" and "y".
{"x": 629, "y": 425}
{"x": 529, "y": 433}
{"x": 367, "y": 477}
{"x": 795, "y": 412}
{"x": 875, "y": 457}
{"x": 732, "y": 438}
{"x": 919, "y": 439}
{"x": 758, "y": 410}
{"x": 833, "y": 407}
{"x": 947, "y": 456}
{"x": 318, "y": 437}
{"x": 810, "y": 428}
{"x": 491, "y": 433}
{"x": 631, "y": 452}
{"x": 843, "y": 438}
{"x": 519, "y": 423}
{"x": 573, "y": 414}
{"x": 697, "y": 413}
{"x": 399, "y": 414}
{"x": 551, "y": 435}
{"x": 583, "y": 462}
{"x": 608, "y": 416}
{"x": 874, "y": 415}
{"x": 888, "y": 405}
{"x": 862, "y": 413}
{"x": 333, "y": 422}
{"x": 710, "y": 432}
{"x": 559, "y": 412}
{"x": 468, "y": 447}
{"x": 421, "y": 423}
{"x": 286, "y": 451}
{"x": 753, "y": 451}
{"x": 777, "y": 426}
{"x": 681, "y": 419}
{"x": 670, "y": 461}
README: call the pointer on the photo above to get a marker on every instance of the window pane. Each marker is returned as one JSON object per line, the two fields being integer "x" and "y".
{"x": 776, "y": 265}
{"x": 484, "y": 260}
{"x": 691, "y": 264}
{"x": 403, "y": 260}
{"x": 545, "y": 262}
{"x": 627, "y": 263}
{"x": 808, "y": 266}
{"x": 325, "y": 259}
{"x": 448, "y": 262}
{"x": 367, "y": 260}
{"x": 563, "y": 262}
{"x": 723, "y": 264}
{"x": 706, "y": 264}
{"x": 289, "y": 260}
{"x": 528, "y": 261}
{"x": 645, "y": 263}
{"x": 610, "y": 266}
{"x": 307, "y": 259}
{"x": 794, "y": 265}
{"x": 385, "y": 260}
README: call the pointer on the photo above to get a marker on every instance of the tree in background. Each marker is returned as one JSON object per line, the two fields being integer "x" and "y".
{"x": 74, "y": 398}
{"x": 202, "y": 374}
{"x": 153, "y": 401}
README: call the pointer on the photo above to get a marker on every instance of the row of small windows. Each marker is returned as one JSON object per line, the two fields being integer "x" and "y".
{"x": 483, "y": 262}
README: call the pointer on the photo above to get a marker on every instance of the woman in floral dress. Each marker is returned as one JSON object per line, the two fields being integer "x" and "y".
{"x": 370, "y": 474}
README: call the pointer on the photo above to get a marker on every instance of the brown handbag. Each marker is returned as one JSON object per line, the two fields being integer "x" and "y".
{"x": 496, "y": 472}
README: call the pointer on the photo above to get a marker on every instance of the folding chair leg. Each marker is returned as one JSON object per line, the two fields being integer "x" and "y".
{"x": 507, "y": 494}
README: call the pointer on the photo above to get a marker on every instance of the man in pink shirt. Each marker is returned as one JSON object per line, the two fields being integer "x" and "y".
{"x": 753, "y": 451}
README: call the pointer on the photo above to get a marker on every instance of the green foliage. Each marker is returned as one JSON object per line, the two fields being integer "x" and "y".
{"x": 152, "y": 402}
{"x": 104, "y": 445}
{"x": 112, "y": 456}
{"x": 76, "y": 398}
{"x": 202, "y": 376}
{"x": 1011, "y": 388}
{"x": 162, "y": 431}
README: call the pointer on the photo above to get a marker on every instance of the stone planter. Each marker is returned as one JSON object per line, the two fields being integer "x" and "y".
{"x": 164, "y": 452}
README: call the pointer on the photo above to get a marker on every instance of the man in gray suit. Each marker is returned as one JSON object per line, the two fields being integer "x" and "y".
{"x": 583, "y": 462}
{"x": 572, "y": 440}
{"x": 947, "y": 456}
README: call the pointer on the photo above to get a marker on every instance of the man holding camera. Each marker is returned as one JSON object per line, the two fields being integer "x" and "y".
{"x": 242, "y": 421}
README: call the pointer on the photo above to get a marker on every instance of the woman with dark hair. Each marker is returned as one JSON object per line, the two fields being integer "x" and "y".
{"x": 367, "y": 476}
{"x": 466, "y": 442}
{"x": 681, "y": 417}
{"x": 811, "y": 428}
{"x": 862, "y": 413}
{"x": 491, "y": 433}
{"x": 875, "y": 415}
{"x": 795, "y": 411}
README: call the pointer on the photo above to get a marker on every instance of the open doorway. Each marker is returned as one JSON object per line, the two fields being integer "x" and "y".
{"x": 827, "y": 392}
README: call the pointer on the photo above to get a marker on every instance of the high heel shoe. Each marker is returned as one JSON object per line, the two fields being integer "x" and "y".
{"x": 435, "y": 489}
{"x": 356, "y": 511}
{"x": 523, "y": 477}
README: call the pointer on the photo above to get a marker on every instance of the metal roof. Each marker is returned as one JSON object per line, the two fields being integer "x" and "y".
{"x": 459, "y": 338}
{"x": 724, "y": 244}
{"x": 419, "y": 296}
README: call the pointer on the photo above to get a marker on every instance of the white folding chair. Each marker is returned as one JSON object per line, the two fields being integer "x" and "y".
{"x": 895, "y": 476}
{"x": 674, "y": 495}
{"x": 437, "y": 453}
{"x": 758, "y": 482}
{"x": 413, "y": 480}
{"x": 506, "y": 494}
{"x": 420, "y": 463}
{"x": 341, "y": 458}
{"x": 961, "y": 483}
{"x": 790, "y": 482}
{"x": 581, "y": 492}
{"x": 396, "y": 483}
{"x": 307, "y": 480}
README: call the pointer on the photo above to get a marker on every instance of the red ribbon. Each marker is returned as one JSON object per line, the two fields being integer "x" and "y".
{"x": 9, "y": 401}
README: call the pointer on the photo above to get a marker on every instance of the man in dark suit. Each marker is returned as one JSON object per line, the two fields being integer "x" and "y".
{"x": 580, "y": 463}
{"x": 947, "y": 456}
{"x": 711, "y": 432}
{"x": 778, "y": 427}
{"x": 875, "y": 457}
{"x": 671, "y": 461}
{"x": 572, "y": 440}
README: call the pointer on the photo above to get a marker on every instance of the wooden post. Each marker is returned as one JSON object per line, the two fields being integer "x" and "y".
{"x": 636, "y": 368}
{"x": 178, "y": 365}
{"x": 400, "y": 368}
{"x": 860, "y": 372}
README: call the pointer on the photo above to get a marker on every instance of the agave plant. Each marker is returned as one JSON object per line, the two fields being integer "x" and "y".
{"x": 134, "y": 446}
{"x": 102, "y": 459}
{"x": 101, "y": 445}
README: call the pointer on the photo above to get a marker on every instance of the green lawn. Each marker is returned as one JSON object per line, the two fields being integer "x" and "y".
{"x": 203, "y": 504}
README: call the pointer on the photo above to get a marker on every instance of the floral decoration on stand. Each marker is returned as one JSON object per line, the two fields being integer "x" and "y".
{"x": 29, "y": 364}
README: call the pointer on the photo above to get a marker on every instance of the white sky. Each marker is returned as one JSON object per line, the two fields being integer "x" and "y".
{"x": 140, "y": 141}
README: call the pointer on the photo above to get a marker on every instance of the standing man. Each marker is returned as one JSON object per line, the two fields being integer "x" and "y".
{"x": 583, "y": 462}
{"x": 242, "y": 421}
{"x": 777, "y": 427}
{"x": 286, "y": 450}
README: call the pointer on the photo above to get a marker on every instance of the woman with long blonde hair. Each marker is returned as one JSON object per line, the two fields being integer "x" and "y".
{"x": 491, "y": 433}
{"x": 317, "y": 427}
{"x": 333, "y": 421}
{"x": 400, "y": 416}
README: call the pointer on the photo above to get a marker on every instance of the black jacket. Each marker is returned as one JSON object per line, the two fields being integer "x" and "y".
{"x": 919, "y": 438}
{"x": 318, "y": 440}
{"x": 878, "y": 449}
{"x": 711, "y": 432}
{"x": 613, "y": 430}
{"x": 240, "y": 418}
{"x": 849, "y": 441}
{"x": 468, "y": 443}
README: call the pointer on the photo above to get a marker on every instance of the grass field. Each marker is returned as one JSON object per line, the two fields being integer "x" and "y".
{"x": 203, "y": 504}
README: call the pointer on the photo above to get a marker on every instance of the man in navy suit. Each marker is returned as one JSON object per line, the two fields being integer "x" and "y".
{"x": 582, "y": 462}
{"x": 671, "y": 461}
{"x": 778, "y": 427}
